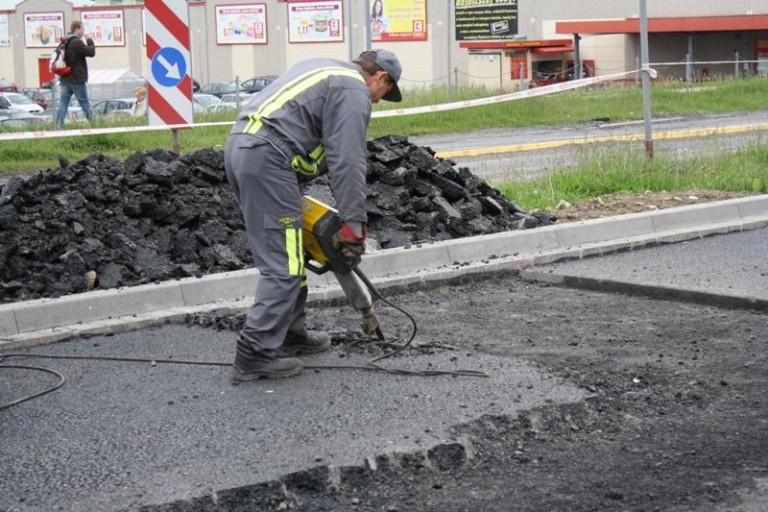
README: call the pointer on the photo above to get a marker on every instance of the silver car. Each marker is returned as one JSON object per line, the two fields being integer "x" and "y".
{"x": 22, "y": 102}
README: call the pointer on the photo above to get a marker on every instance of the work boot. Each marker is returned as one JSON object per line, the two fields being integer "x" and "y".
{"x": 310, "y": 343}
{"x": 252, "y": 365}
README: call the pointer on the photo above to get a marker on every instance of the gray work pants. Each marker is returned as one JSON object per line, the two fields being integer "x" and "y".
{"x": 270, "y": 199}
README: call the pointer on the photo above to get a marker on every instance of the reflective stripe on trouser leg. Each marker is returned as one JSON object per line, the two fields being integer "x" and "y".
{"x": 294, "y": 247}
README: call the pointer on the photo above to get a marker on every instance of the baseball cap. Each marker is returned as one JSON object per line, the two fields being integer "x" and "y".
{"x": 387, "y": 61}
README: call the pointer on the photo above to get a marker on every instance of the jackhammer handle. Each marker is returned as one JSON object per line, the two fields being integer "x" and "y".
{"x": 359, "y": 273}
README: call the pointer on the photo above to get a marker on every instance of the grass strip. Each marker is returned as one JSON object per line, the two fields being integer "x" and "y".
{"x": 598, "y": 172}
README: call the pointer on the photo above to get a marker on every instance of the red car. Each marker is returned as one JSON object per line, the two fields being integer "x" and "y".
{"x": 6, "y": 86}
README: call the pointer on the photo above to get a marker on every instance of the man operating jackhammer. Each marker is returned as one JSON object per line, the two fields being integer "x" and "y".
{"x": 311, "y": 120}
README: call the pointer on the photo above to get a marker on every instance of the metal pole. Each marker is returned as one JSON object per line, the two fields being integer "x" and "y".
{"x": 55, "y": 105}
{"x": 367, "y": 18}
{"x": 176, "y": 142}
{"x": 501, "y": 71}
{"x": 207, "y": 48}
{"x": 449, "y": 41}
{"x": 577, "y": 57}
{"x": 646, "y": 79}
{"x": 735, "y": 64}
{"x": 350, "y": 22}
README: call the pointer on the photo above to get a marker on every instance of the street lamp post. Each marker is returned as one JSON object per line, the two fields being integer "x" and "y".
{"x": 646, "y": 79}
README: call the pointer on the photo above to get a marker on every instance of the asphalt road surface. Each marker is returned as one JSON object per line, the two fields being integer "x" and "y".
{"x": 593, "y": 400}
{"x": 513, "y": 154}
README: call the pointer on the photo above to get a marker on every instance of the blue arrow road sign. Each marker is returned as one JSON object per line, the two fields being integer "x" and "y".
{"x": 168, "y": 66}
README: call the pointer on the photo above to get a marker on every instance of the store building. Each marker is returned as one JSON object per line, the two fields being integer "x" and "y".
{"x": 497, "y": 43}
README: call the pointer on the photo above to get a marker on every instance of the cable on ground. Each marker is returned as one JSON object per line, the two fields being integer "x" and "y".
{"x": 56, "y": 386}
{"x": 370, "y": 364}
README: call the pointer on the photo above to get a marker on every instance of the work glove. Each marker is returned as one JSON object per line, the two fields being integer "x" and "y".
{"x": 350, "y": 241}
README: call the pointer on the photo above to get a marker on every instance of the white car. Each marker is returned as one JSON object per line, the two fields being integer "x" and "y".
{"x": 22, "y": 102}
{"x": 114, "y": 108}
{"x": 232, "y": 101}
{"x": 205, "y": 102}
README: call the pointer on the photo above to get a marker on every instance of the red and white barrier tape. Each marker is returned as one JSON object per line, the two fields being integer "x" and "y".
{"x": 531, "y": 93}
{"x": 102, "y": 131}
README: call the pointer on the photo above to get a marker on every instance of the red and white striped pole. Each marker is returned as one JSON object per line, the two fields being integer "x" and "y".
{"x": 169, "y": 98}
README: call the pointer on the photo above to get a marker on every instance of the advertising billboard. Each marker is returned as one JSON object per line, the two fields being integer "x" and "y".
{"x": 315, "y": 22}
{"x": 241, "y": 24}
{"x": 106, "y": 28}
{"x": 398, "y": 20}
{"x": 485, "y": 19}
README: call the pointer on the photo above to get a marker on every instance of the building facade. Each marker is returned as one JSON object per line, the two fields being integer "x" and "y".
{"x": 496, "y": 43}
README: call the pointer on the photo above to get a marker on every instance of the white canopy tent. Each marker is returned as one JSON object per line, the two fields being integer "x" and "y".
{"x": 106, "y": 84}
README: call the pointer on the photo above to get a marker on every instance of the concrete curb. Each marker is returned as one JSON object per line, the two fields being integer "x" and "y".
{"x": 722, "y": 300}
{"x": 105, "y": 311}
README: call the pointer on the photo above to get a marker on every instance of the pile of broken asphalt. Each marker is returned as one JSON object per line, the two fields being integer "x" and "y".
{"x": 102, "y": 224}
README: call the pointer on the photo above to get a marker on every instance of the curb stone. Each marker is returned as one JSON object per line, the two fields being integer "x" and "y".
{"x": 44, "y": 321}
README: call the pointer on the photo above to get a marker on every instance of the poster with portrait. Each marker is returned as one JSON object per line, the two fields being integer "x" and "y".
{"x": 106, "y": 28}
{"x": 241, "y": 24}
{"x": 398, "y": 20}
{"x": 315, "y": 22}
{"x": 43, "y": 29}
{"x": 5, "y": 32}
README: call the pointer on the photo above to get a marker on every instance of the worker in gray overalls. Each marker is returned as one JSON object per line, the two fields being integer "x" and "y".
{"x": 312, "y": 119}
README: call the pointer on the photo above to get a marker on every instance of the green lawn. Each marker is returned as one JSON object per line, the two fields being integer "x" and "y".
{"x": 597, "y": 172}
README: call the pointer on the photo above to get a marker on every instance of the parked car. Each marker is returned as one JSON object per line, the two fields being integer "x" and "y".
{"x": 6, "y": 86}
{"x": 114, "y": 108}
{"x": 12, "y": 117}
{"x": 75, "y": 113}
{"x": 6, "y": 107}
{"x": 205, "y": 102}
{"x": 256, "y": 84}
{"x": 218, "y": 88}
{"x": 8, "y": 110}
{"x": 21, "y": 120}
{"x": 232, "y": 102}
{"x": 22, "y": 102}
{"x": 40, "y": 96}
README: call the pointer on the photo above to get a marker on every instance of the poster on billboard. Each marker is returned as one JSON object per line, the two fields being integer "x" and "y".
{"x": 398, "y": 20}
{"x": 315, "y": 22}
{"x": 5, "y": 32}
{"x": 106, "y": 28}
{"x": 485, "y": 19}
{"x": 43, "y": 29}
{"x": 241, "y": 24}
